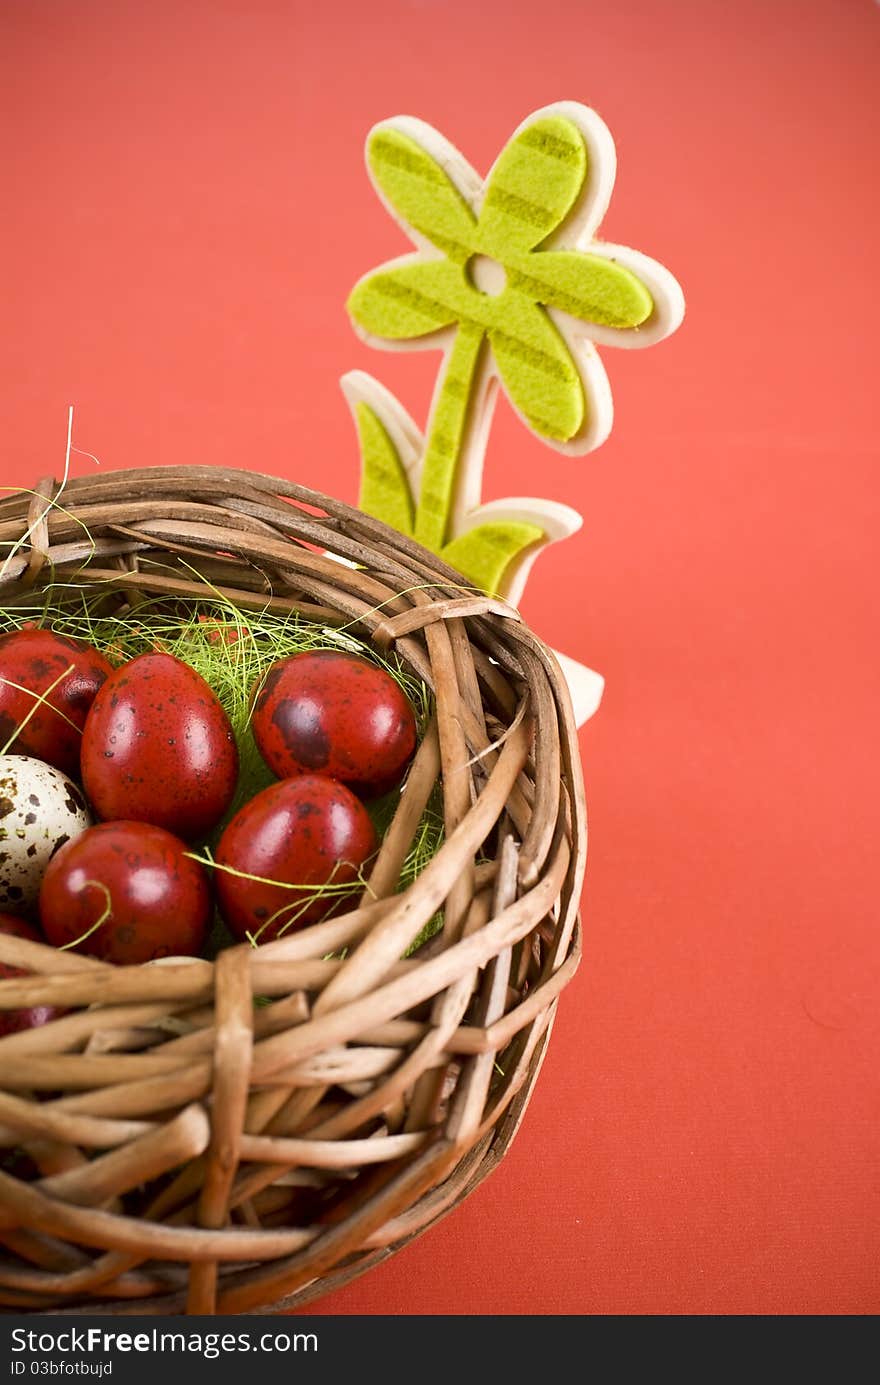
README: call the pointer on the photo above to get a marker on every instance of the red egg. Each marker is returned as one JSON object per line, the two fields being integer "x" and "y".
{"x": 31, "y": 661}
{"x": 333, "y": 713}
{"x": 159, "y": 748}
{"x": 13, "y": 1021}
{"x": 138, "y": 884}
{"x": 308, "y": 831}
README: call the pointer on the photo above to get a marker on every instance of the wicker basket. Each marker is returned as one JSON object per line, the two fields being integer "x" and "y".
{"x": 284, "y": 1149}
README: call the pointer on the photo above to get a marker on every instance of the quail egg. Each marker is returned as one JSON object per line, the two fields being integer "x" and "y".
{"x": 40, "y": 810}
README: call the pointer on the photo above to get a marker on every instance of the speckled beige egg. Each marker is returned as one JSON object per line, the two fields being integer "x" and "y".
{"x": 40, "y": 810}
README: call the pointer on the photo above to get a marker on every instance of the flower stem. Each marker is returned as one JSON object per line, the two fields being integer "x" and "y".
{"x": 446, "y": 436}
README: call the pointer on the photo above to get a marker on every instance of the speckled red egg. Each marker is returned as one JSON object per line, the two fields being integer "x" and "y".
{"x": 328, "y": 712}
{"x": 159, "y": 748}
{"x": 307, "y": 832}
{"x": 13, "y": 1021}
{"x": 138, "y": 883}
{"x": 31, "y": 661}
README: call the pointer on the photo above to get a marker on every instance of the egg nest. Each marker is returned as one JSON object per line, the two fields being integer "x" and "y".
{"x": 232, "y": 651}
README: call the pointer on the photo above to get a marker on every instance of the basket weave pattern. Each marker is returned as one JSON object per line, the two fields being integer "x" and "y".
{"x": 274, "y": 1152}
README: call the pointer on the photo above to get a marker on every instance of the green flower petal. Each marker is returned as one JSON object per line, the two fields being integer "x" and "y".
{"x": 533, "y": 186}
{"x": 537, "y": 370}
{"x": 408, "y": 300}
{"x": 421, "y": 193}
{"x": 588, "y": 287}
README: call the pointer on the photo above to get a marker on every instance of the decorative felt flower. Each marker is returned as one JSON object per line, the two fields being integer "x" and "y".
{"x": 508, "y": 279}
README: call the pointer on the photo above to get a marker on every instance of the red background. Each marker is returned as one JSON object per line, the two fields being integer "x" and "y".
{"x": 185, "y": 212}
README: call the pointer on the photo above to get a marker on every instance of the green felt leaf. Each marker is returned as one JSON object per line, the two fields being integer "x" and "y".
{"x": 534, "y": 185}
{"x": 537, "y": 370}
{"x": 421, "y": 193}
{"x": 483, "y": 554}
{"x": 385, "y": 492}
{"x": 588, "y": 287}
{"x": 409, "y": 300}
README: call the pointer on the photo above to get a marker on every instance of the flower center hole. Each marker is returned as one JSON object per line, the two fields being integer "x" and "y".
{"x": 486, "y": 275}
